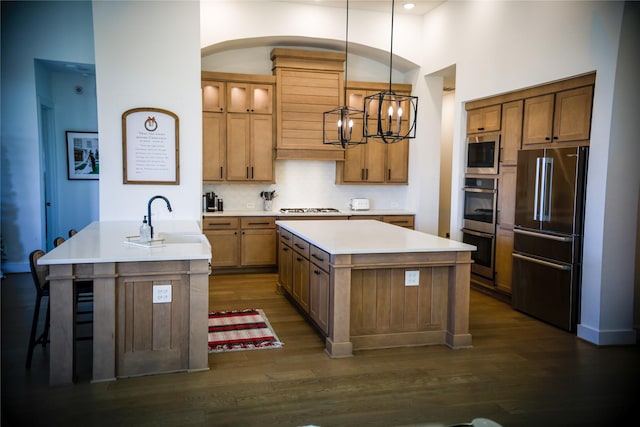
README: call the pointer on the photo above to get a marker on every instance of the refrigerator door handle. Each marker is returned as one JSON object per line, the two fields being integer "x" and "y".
{"x": 547, "y": 191}
{"x": 543, "y": 236}
{"x": 536, "y": 194}
{"x": 563, "y": 267}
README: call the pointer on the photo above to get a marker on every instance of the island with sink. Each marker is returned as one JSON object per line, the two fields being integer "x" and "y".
{"x": 367, "y": 284}
{"x": 150, "y": 299}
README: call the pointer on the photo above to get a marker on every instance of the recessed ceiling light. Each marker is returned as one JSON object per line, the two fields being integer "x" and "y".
{"x": 409, "y": 6}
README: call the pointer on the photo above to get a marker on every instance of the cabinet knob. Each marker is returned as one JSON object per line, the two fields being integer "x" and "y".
{"x": 555, "y": 137}
{"x": 480, "y": 129}
{"x": 547, "y": 138}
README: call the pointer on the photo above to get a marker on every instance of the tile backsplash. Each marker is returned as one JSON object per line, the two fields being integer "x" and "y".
{"x": 308, "y": 183}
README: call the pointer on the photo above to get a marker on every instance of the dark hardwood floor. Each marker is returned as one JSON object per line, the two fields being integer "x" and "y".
{"x": 520, "y": 372}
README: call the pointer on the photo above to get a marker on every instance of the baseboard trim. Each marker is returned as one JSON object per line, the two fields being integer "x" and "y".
{"x": 607, "y": 338}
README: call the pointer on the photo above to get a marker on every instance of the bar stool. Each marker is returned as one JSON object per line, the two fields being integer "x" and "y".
{"x": 84, "y": 291}
{"x": 39, "y": 274}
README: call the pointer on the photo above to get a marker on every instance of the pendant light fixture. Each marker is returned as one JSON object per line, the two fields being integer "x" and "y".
{"x": 390, "y": 117}
{"x": 338, "y": 124}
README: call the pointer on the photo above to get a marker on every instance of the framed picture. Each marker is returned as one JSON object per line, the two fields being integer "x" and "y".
{"x": 83, "y": 155}
{"x": 150, "y": 148}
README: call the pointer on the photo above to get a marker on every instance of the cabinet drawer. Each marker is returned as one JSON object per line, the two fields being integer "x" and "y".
{"x": 400, "y": 220}
{"x": 319, "y": 258}
{"x": 222, "y": 223}
{"x": 258, "y": 222}
{"x": 286, "y": 238}
{"x": 301, "y": 246}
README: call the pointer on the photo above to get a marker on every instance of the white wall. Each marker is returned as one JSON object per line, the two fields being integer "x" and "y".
{"x": 503, "y": 46}
{"x": 59, "y": 31}
{"x": 148, "y": 55}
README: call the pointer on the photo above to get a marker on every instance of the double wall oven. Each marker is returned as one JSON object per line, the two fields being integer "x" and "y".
{"x": 480, "y": 202}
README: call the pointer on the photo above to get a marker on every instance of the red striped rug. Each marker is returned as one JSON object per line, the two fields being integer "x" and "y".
{"x": 238, "y": 330}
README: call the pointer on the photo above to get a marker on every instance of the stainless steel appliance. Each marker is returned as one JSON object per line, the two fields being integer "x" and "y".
{"x": 483, "y": 153}
{"x": 548, "y": 228}
{"x": 480, "y": 199}
{"x": 484, "y": 256}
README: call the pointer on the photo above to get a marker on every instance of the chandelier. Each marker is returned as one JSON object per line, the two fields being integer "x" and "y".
{"x": 338, "y": 124}
{"x": 390, "y": 117}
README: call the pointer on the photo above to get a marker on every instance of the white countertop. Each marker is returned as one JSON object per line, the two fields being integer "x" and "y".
{"x": 368, "y": 237}
{"x": 342, "y": 212}
{"x": 105, "y": 242}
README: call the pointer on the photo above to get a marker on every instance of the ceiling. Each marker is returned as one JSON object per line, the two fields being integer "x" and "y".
{"x": 421, "y": 6}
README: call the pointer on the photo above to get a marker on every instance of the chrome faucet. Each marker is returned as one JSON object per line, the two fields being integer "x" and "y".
{"x": 149, "y": 209}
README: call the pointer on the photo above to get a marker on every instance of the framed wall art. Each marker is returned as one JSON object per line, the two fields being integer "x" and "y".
{"x": 150, "y": 149}
{"x": 83, "y": 155}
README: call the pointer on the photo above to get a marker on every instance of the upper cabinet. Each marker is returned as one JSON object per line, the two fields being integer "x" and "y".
{"x": 308, "y": 83}
{"x": 511, "y": 135}
{"x": 213, "y": 96}
{"x": 237, "y": 127}
{"x": 249, "y": 98}
{"x": 486, "y": 119}
{"x": 373, "y": 162}
{"x": 558, "y": 117}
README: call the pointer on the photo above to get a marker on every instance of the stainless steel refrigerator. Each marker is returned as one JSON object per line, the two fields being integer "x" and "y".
{"x": 547, "y": 248}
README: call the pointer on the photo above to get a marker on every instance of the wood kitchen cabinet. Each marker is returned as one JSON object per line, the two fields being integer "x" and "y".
{"x": 249, "y": 98}
{"x": 558, "y": 117}
{"x": 285, "y": 260}
{"x": 257, "y": 241}
{"x": 511, "y": 134}
{"x": 238, "y": 127}
{"x": 319, "y": 288}
{"x": 213, "y": 96}
{"x": 241, "y": 242}
{"x": 213, "y": 146}
{"x": 486, "y": 119}
{"x": 250, "y": 147}
{"x": 213, "y": 130}
{"x": 224, "y": 238}
{"x": 373, "y": 162}
{"x": 503, "y": 259}
{"x": 303, "y": 272}
{"x": 504, "y": 228}
{"x": 300, "y": 281}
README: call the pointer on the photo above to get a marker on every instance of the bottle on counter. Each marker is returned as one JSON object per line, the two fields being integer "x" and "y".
{"x": 145, "y": 230}
{"x": 220, "y": 205}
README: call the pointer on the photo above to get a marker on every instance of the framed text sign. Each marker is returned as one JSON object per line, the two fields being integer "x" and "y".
{"x": 150, "y": 149}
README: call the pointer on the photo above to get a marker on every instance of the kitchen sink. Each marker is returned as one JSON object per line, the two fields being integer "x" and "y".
{"x": 172, "y": 238}
{"x": 163, "y": 239}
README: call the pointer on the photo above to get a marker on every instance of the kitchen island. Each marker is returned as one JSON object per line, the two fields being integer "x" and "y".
{"x": 366, "y": 284}
{"x": 150, "y": 301}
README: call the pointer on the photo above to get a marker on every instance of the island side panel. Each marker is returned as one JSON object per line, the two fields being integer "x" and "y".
{"x": 198, "y": 315}
{"x": 62, "y": 332}
{"x": 104, "y": 322}
{"x": 458, "y": 335}
{"x": 338, "y": 343}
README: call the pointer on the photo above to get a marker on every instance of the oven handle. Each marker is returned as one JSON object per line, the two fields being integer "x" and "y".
{"x": 477, "y": 233}
{"x": 563, "y": 267}
{"x": 478, "y": 190}
{"x": 542, "y": 236}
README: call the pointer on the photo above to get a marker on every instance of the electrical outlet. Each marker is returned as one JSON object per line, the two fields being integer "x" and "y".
{"x": 412, "y": 278}
{"x": 161, "y": 294}
{"x": 251, "y": 205}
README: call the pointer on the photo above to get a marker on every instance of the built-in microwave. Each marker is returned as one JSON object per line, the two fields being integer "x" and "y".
{"x": 483, "y": 153}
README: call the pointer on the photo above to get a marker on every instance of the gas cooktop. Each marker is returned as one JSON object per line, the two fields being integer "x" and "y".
{"x": 308, "y": 210}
